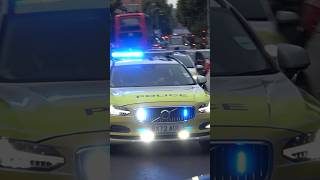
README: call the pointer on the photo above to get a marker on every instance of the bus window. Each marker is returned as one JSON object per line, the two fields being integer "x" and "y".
{"x": 130, "y": 24}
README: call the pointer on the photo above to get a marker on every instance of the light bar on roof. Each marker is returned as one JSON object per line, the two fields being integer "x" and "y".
{"x": 127, "y": 54}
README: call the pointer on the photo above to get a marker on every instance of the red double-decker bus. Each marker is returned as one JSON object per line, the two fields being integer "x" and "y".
{"x": 131, "y": 31}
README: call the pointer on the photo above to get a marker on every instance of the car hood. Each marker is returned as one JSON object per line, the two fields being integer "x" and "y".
{"x": 35, "y": 111}
{"x": 137, "y": 95}
{"x": 268, "y": 101}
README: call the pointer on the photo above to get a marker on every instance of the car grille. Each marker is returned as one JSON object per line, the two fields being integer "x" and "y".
{"x": 241, "y": 161}
{"x": 170, "y": 114}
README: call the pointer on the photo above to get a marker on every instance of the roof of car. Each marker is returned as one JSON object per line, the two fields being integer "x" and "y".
{"x": 157, "y": 60}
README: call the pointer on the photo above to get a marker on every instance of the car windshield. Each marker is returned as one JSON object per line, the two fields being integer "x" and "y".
{"x": 54, "y": 53}
{"x": 235, "y": 53}
{"x": 176, "y": 41}
{"x": 146, "y": 75}
{"x": 185, "y": 59}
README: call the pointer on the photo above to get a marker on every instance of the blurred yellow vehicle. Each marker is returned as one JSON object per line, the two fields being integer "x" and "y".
{"x": 264, "y": 125}
{"x": 53, "y": 94}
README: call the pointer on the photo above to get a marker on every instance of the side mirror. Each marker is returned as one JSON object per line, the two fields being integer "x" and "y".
{"x": 287, "y": 17}
{"x": 272, "y": 50}
{"x": 292, "y": 59}
{"x": 201, "y": 80}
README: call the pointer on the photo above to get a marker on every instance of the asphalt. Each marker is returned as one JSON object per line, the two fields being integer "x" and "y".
{"x": 167, "y": 161}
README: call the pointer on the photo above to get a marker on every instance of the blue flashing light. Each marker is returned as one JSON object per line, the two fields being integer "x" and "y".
{"x": 127, "y": 54}
{"x": 185, "y": 113}
{"x": 241, "y": 164}
{"x": 141, "y": 114}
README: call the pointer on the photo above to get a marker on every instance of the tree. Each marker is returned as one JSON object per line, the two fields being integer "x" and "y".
{"x": 160, "y": 13}
{"x": 193, "y": 15}
{"x": 114, "y": 5}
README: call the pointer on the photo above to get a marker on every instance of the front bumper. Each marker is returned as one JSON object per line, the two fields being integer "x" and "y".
{"x": 136, "y": 139}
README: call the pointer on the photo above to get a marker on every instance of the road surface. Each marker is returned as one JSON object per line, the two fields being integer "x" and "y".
{"x": 162, "y": 161}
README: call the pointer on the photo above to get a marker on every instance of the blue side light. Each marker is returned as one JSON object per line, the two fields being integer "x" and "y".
{"x": 241, "y": 164}
{"x": 141, "y": 114}
{"x": 127, "y": 54}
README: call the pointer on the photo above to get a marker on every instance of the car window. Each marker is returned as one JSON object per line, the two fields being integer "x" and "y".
{"x": 176, "y": 40}
{"x": 53, "y": 54}
{"x": 236, "y": 52}
{"x": 250, "y": 9}
{"x": 185, "y": 59}
{"x": 146, "y": 75}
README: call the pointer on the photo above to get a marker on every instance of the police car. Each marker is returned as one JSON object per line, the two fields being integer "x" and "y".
{"x": 155, "y": 98}
{"x": 264, "y": 126}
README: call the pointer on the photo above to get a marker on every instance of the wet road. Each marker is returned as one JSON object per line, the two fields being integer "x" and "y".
{"x": 165, "y": 161}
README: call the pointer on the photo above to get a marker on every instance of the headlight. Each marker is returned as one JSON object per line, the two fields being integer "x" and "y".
{"x": 146, "y": 135}
{"x": 184, "y": 134}
{"x": 93, "y": 163}
{"x": 303, "y": 148}
{"x": 118, "y": 111}
{"x": 204, "y": 108}
{"x": 30, "y": 156}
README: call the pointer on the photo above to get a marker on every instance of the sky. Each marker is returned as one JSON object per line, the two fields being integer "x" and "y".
{"x": 174, "y": 2}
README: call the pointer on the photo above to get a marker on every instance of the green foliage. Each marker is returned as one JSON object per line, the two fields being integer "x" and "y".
{"x": 160, "y": 13}
{"x": 192, "y": 14}
{"x": 115, "y": 4}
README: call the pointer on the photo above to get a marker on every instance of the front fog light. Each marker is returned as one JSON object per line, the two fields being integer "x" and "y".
{"x": 147, "y": 136}
{"x": 183, "y": 134}
{"x": 303, "y": 148}
{"x": 30, "y": 156}
{"x": 93, "y": 163}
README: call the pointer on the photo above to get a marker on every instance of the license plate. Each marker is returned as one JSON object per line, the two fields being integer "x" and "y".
{"x": 164, "y": 129}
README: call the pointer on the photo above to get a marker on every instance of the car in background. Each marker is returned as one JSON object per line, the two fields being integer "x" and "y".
{"x": 264, "y": 125}
{"x": 178, "y": 42}
{"x": 159, "y": 43}
{"x": 189, "y": 63}
{"x": 154, "y": 98}
{"x": 201, "y": 57}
